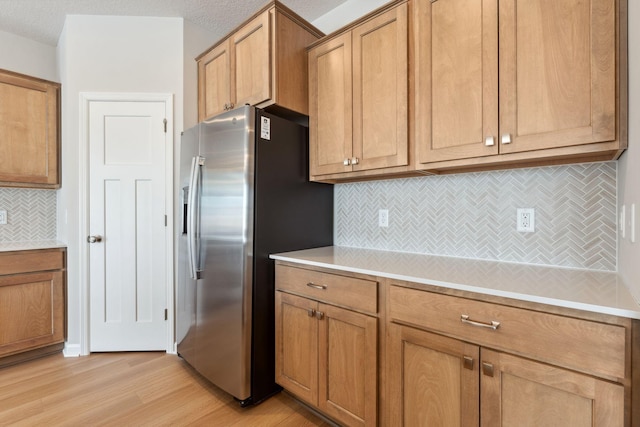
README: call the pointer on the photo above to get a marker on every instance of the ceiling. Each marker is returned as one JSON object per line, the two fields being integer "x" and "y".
{"x": 43, "y": 20}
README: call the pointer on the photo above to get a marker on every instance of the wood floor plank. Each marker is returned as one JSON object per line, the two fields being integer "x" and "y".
{"x": 132, "y": 389}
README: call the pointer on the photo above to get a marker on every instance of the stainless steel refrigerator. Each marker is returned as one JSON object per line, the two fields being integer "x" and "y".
{"x": 244, "y": 193}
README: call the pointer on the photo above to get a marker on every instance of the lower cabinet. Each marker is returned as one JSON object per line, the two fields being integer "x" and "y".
{"x": 327, "y": 356}
{"x": 32, "y": 309}
{"x": 441, "y": 381}
{"x": 461, "y": 362}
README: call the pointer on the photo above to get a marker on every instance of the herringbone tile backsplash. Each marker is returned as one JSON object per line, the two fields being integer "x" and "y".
{"x": 31, "y": 214}
{"x": 474, "y": 215}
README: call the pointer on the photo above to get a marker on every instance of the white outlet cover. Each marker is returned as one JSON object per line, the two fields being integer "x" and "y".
{"x": 383, "y": 218}
{"x": 3, "y": 216}
{"x": 526, "y": 220}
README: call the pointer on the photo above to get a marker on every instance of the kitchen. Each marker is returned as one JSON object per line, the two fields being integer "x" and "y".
{"x": 89, "y": 49}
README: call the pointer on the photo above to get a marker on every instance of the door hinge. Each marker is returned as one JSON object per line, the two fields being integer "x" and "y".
{"x": 166, "y": 314}
{"x": 165, "y": 125}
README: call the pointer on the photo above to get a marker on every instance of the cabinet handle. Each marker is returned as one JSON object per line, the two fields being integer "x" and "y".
{"x": 506, "y": 138}
{"x": 493, "y": 325}
{"x": 311, "y": 312}
{"x": 319, "y": 315}
{"x": 94, "y": 239}
{"x": 231, "y": 106}
{"x": 314, "y": 286}
{"x": 487, "y": 369}
{"x": 489, "y": 141}
{"x": 347, "y": 162}
{"x": 355, "y": 160}
{"x": 467, "y": 362}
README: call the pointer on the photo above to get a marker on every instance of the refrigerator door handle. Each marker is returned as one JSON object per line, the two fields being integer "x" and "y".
{"x": 192, "y": 212}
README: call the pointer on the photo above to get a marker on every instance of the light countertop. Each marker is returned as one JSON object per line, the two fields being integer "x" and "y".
{"x": 31, "y": 245}
{"x": 595, "y": 291}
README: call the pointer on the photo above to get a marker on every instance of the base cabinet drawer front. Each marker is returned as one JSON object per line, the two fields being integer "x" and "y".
{"x": 30, "y": 261}
{"x": 584, "y": 345}
{"x": 359, "y": 294}
{"x": 31, "y": 311}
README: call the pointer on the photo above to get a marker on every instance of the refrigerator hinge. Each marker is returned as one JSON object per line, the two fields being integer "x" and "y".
{"x": 165, "y": 125}
{"x": 166, "y": 314}
{"x": 165, "y": 220}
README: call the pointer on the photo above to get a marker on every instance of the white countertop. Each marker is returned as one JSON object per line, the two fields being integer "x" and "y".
{"x": 595, "y": 291}
{"x": 31, "y": 245}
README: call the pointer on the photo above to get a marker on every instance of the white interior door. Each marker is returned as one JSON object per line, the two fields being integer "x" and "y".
{"x": 127, "y": 197}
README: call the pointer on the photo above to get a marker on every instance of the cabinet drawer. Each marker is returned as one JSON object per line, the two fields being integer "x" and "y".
{"x": 580, "y": 344}
{"x": 31, "y": 261}
{"x": 359, "y": 294}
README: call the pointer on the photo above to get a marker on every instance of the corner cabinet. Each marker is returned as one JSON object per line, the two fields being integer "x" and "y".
{"x": 32, "y": 303}
{"x": 262, "y": 63}
{"x": 456, "y": 361}
{"x": 326, "y": 342}
{"x": 537, "y": 83}
{"x": 358, "y": 98}
{"x": 29, "y": 132}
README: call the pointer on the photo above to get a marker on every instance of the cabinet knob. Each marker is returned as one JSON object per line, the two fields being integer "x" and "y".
{"x": 319, "y": 315}
{"x": 487, "y": 369}
{"x": 467, "y": 362}
{"x": 506, "y": 138}
{"x": 94, "y": 239}
{"x": 355, "y": 160}
{"x": 489, "y": 141}
{"x": 347, "y": 162}
{"x": 311, "y": 312}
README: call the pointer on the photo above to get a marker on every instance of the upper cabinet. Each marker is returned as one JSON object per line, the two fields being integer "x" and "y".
{"x": 505, "y": 83}
{"x": 29, "y": 132}
{"x": 262, "y": 63}
{"x": 359, "y": 100}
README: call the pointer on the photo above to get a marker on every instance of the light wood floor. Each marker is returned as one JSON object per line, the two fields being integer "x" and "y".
{"x": 130, "y": 389}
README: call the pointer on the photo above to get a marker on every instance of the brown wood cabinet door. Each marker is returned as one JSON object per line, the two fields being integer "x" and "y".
{"x": 456, "y": 79}
{"x": 31, "y": 311}
{"x": 517, "y": 391}
{"x": 330, "y": 106}
{"x": 251, "y": 61}
{"x": 29, "y": 143}
{"x": 433, "y": 380}
{"x": 557, "y": 73}
{"x": 214, "y": 81}
{"x": 297, "y": 346}
{"x": 347, "y": 365}
{"x": 380, "y": 91}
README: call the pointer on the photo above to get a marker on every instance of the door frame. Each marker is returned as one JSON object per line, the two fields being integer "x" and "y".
{"x": 86, "y": 98}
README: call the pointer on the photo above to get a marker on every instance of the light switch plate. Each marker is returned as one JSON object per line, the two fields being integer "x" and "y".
{"x": 3, "y": 216}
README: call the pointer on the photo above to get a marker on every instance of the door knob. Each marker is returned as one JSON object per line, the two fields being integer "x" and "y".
{"x": 94, "y": 239}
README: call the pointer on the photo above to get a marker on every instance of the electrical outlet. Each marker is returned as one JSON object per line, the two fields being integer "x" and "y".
{"x": 383, "y": 218}
{"x": 632, "y": 230}
{"x": 526, "y": 220}
{"x": 3, "y": 216}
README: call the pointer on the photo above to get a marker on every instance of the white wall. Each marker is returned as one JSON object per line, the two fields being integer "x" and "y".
{"x": 629, "y": 164}
{"x": 345, "y": 13}
{"x": 25, "y": 56}
{"x": 107, "y": 54}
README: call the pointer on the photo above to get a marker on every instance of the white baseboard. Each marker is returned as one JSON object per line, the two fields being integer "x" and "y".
{"x": 71, "y": 350}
